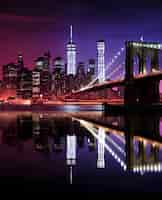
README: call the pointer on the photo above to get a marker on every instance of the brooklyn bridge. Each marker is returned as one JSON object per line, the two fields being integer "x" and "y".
{"x": 137, "y": 84}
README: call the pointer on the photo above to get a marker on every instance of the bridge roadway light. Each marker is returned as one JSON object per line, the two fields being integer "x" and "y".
{"x": 147, "y": 45}
{"x": 155, "y": 70}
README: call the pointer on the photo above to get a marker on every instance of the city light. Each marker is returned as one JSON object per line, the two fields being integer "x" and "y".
{"x": 157, "y": 167}
{"x": 76, "y": 82}
{"x": 147, "y": 45}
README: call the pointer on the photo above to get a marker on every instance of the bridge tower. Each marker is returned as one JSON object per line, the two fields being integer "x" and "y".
{"x": 145, "y": 91}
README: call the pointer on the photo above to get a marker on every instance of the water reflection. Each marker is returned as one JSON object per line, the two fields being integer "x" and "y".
{"x": 134, "y": 142}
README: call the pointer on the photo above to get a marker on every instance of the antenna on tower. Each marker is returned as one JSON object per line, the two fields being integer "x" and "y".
{"x": 71, "y": 33}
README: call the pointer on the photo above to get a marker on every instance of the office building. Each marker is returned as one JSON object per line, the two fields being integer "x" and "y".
{"x": 10, "y": 75}
{"x": 101, "y": 60}
{"x": 71, "y": 55}
{"x": 58, "y": 64}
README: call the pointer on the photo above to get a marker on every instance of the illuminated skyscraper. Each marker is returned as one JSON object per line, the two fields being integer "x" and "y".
{"x": 101, "y": 60}
{"x": 36, "y": 84}
{"x": 71, "y": 55}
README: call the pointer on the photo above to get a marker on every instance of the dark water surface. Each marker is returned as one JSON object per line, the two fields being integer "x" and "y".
{"x": 80, "y": 151}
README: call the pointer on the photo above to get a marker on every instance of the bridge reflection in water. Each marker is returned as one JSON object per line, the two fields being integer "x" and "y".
{"x": 134, "y": 142}
{"x": 131, "y": 152}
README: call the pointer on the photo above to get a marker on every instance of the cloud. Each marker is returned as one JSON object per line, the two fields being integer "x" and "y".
{"x": 26, "y": 19}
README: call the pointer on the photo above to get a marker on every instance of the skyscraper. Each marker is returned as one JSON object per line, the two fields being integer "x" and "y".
{"x": 101, "y": 60}
{"x": 39, "y": 64}
{"x": 36, "y": 84}
{"x": 24, "y": 83}
{"x": 92, "y": 66}
{"x": 80, "y": 78}
{"x": 10, "y": 75}
{"x": 71, "y": 55}
{"x": 58, "y": 64}
{"x": 20, "y": 61}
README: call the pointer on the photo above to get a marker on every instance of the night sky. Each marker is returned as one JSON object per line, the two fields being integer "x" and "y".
{"x": 34, "y": 26}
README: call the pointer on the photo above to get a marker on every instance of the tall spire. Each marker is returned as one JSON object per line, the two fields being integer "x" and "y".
{"x": 71, "y": 34}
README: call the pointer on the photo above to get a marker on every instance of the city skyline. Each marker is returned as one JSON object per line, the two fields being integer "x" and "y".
{"x": 30, "y": 26}
{"x": 34, "y": 30}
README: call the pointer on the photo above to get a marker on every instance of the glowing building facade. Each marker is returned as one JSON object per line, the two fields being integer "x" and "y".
{"x": 35, "y": 84}
{"x": 71, "y": 55}
{"x": 101, "y": 60}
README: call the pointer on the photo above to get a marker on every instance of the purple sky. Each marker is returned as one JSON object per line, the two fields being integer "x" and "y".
{"x": 33, "y": 27}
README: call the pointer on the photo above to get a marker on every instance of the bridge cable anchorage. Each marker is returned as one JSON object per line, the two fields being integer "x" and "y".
{"x": 110, "y": 64}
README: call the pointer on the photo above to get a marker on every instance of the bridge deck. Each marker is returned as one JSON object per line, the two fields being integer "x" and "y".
{"x": 119, "y": 82}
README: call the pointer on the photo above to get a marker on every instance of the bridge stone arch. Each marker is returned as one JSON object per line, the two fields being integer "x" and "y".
{"x": 146, "y": 90}
{"x": 142, "y": 50}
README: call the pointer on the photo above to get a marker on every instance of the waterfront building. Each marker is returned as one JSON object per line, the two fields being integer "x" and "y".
{"x": 10, "y": 76}
{"x": 35, "y": 84}
{"x": 24, "y": 83}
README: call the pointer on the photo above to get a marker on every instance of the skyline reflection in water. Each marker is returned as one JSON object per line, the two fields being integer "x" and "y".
{"x": 84, "y": 148}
